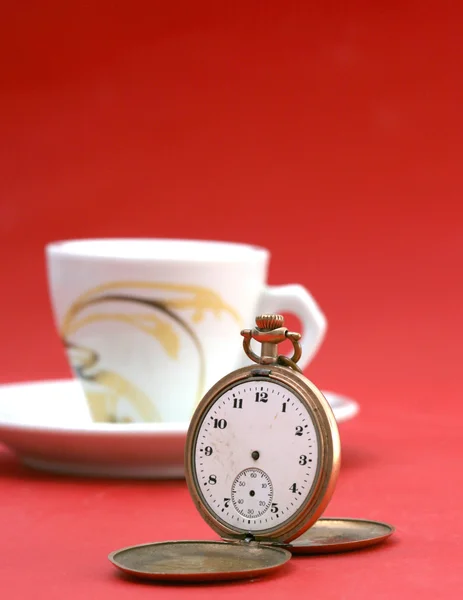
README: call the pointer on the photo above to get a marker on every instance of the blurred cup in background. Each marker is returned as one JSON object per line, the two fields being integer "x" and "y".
{"x": 149, "y": 325}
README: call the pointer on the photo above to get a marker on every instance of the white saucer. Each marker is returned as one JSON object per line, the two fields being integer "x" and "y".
{"x": 47, "y": 424}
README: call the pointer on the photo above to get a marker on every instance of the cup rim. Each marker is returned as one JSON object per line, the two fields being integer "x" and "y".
{"x": 215, "y": 251}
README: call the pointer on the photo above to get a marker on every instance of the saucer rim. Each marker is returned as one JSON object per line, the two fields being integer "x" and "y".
{"x": 38, "y": 445}
{"x": 347, "y": 411}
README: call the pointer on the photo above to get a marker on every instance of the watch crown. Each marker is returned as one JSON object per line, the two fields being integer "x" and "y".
{"x": 269, "y": 322}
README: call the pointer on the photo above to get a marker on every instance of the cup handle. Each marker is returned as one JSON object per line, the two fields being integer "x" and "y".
{"x": 295, "y": 299}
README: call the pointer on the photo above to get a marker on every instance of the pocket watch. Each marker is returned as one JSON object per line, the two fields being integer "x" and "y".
{"x": 262, "y": 458}
{"x": 263, "y": 450}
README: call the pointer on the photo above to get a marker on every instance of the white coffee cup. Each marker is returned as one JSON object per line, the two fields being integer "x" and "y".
{"x": 150, "y": 324}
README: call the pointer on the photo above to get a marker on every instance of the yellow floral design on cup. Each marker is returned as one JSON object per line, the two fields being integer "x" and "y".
{"x": 172, "y": 306}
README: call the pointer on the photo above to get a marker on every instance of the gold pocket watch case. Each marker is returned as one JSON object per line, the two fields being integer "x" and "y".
{"x": 262, "y": 458}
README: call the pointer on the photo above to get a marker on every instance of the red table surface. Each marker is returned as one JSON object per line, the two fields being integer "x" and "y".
{"x": 330, "y": 133}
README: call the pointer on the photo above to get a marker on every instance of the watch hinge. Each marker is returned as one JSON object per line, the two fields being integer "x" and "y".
{"x": 249, "y": 539}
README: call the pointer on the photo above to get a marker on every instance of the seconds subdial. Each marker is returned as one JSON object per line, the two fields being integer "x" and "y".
{"x": 252, "y": 493}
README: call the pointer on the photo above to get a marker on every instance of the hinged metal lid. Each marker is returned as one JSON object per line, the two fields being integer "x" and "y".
{"x": 241, "y": 559}
{"x": 199, "y": 561}
{"x": 329, "y": 535}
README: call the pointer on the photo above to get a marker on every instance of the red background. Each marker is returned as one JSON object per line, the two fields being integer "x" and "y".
{"x": 331, "y": 134}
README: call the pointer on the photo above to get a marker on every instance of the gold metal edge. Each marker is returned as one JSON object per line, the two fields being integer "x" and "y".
{"x": 342, "y": 545}
{"x": 360, "y": 520}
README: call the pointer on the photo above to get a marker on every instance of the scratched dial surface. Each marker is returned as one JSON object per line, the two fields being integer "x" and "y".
{"x": 256, "y": 456}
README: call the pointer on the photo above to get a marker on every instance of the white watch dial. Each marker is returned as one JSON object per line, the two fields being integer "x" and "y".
{"x": 255, "y": 455}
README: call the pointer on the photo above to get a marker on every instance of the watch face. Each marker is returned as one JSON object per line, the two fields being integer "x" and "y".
{"x": 255, "y": 455}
